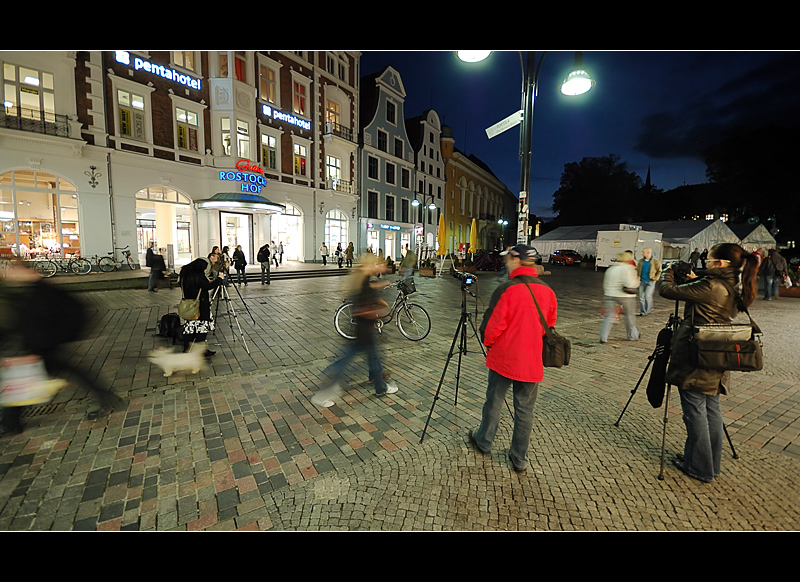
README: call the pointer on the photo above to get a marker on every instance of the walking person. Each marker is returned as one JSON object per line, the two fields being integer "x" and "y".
{"x": 349, "y": 254}
{"x": 366, "y": 308}
{"x": 716, "y": 297}
{"x": 339, "y": 254}
{"x": 323, "y": 251}
{"x": 275, "y": 254}
{"x": 280, "y": 251}
{"x": 196, "y": 280}
{"x": 512, "y": 333}
{"x": 407, "y": 264}
{"x": 620, "y": 286}
{"x": 263, "y": 258}
{"x": 157, "y": 267}
{"x": 240, "y": 262}
{"x": 773, "y": 269}
{"x": 649, "y": 272}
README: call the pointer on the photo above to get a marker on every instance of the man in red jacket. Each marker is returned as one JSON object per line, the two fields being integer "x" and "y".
{"x": 512, "y": 333}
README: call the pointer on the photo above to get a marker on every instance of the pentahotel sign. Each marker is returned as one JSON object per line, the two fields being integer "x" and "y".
{"x": 139, "y": 63}
{"x": 287, "y": 117}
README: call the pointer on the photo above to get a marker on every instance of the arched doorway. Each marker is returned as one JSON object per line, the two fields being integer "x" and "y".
{"x": 38, "y": 215}
{"x": 164, "y": 216}
{"x": 287, "y": 228}
{"x": 336, "y": 232}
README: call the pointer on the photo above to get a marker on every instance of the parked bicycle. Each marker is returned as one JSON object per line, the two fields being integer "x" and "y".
{"x": 412, "y": 320}
{"x": 109, "y": 263}
{"x": 49, "y": 267}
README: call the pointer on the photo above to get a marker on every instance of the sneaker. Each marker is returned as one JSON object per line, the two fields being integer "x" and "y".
{"x": 323, "y": 402}
{"x": 391, "y": 388}
{"x": 324, "y": 398}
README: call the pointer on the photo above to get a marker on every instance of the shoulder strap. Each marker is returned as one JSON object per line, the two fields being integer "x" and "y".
{"x": 545, "y": 327}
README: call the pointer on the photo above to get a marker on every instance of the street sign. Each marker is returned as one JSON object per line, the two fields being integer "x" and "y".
{"x": 512, "y": 120}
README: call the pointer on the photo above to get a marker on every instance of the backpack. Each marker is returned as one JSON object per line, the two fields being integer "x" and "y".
{"x": 169, "y": 326}
{"x": 263, "y": 255}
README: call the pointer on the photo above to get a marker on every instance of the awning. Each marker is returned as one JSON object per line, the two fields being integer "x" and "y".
{"x": 239, "y": 201}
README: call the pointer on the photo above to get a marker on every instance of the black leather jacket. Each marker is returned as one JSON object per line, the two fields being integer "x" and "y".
{"x": 711, "y": 301}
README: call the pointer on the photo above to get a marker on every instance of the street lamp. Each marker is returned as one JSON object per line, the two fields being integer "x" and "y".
{"x": 502, "y": 222}
{"x": 576, "y": 83}
{"x": 416, "y": 203}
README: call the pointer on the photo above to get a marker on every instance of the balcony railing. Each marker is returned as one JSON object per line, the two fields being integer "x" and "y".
{"x": 339, "y": 131}
{"x": 339, "y": 185}
{"x": 34, "y": 121}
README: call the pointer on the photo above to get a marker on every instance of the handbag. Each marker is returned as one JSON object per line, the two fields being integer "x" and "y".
{"x": 189, "y": 309}
{"x": 556, "y": 349}
{"x": 724, "y": 347}
{"x": 24, "y": 382}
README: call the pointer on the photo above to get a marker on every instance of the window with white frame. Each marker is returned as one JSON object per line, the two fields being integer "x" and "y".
{"x": 28, "y": 92}
{"x": 240, "y": 66}
{"x": 186, "y": 60}
{"x": 372, "y": 167}
{"x": 243, "y": 139}
{"x": 391, "y": 112}
{"x": 300, "y": 159}
{"x": 268, "y": 84}
{"x": 333, "y": 168}
{"x": 269, "y": 151}
{"x": 131, "y": 108}
{"x": 225, "y": 133}
{"x": 186, "y": 124}
{"x": 299, "y": 98}
{"x": 390, "y": 170}
{"x": 333, "y": 113}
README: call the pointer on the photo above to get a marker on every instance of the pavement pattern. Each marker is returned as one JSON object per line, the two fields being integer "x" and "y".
{"x": 240, "y": 446}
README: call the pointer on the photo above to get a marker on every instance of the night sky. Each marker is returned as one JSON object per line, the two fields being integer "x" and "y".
{"x": 656, "y": 109}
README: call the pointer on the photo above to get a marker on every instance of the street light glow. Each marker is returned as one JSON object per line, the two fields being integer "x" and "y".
{"x": 577, "y": 82}
{"x": 472, "y": 56}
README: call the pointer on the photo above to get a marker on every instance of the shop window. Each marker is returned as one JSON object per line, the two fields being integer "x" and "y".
{"x": 28, "y": 92}
{"x": 185, "y": 59}
{"x": 300, "y": 156}
{"x": 38, "y": 215}
{"x": 336, "y": 229}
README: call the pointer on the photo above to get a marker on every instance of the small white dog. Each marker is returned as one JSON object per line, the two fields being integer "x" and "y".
{"x": 170, "y": 360}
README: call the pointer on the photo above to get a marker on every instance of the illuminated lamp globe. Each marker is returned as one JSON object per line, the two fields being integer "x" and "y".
{"x": 472, "y": 56}
{"x": 577, "y": 82}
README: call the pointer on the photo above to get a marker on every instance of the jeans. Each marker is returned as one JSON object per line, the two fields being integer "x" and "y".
{"x": 265, "y": 272}
{"x": 241, "y": 277}
{"x": 610, "y": 305}
{"x": 524, "y": 399}
{"x": 407, "y": 273}
{"x": 646, "y": 289}
{"x": 702, "y": 453}
{"x": 771, "y": 286}
{"x": 337, "y": 369}
{"x": 153, "y": 279}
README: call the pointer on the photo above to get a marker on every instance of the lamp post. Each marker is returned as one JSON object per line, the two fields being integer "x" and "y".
{"x": 576, "y": 83}
{"x": 429, "y": 207}
{"x": 503, "y": 223}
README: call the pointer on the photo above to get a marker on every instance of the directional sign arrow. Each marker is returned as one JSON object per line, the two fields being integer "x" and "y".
{"x": 501, "y": 126}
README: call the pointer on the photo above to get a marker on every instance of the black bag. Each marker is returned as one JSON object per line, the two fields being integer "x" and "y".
{"x": 169, "y": 326}
{"x": 728, "y": 346}
{"x": 407, "y": 286}
{"x": 263, "y": 255}
{"x": 556, "y": 349}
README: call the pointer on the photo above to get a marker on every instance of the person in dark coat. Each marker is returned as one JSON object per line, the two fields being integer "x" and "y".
{"x": 239, "y": 262}
{"x": 708, "y": 300}
{"x": 773, "y": 269}
{"x": 196, "y": 278}
{"x": 38, "y": 317}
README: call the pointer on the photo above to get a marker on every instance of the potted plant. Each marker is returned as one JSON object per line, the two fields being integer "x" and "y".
{"x": 427, "y": 269}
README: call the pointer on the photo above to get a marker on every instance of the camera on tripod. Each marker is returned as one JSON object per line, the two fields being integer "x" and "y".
{"x": 466, "y": 278}
{"x": 681, "y": 271}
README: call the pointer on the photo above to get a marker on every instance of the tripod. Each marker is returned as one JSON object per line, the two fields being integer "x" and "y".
{"x": 222, "y": 291}
{"x": 461, "y": 332}
{"x": 661, "y": 355}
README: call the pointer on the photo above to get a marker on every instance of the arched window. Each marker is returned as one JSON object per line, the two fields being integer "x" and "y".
{"x": 38, "y": 215}
{"x": 336, "y": 230}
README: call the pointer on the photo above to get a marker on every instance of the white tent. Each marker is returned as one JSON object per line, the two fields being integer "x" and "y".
{"x": 754, "y": 237}
{"x": 681, "y": 237}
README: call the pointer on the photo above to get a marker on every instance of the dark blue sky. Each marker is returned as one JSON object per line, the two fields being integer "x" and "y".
{"x": 651, "y": 108}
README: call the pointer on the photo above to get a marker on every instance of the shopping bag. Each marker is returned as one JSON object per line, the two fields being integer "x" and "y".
{"x": 24, "y": 382}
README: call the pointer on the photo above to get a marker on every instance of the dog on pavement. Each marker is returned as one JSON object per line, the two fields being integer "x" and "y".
{"x": 171, "y": 361}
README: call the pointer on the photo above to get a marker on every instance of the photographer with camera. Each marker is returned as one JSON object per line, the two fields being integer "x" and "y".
{"x": 710, "y": 298}
{"x": 512, "y": 333}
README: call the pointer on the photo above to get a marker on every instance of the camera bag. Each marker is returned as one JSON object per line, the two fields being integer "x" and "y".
{"x": 556, "y": 349}
{"x": 723, "y": 347}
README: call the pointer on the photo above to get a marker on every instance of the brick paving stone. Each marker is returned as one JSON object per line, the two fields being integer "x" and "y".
{"x": 241, "y": 446}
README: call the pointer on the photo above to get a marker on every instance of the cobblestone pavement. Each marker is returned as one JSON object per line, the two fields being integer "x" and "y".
{"x": 240, "y": 446}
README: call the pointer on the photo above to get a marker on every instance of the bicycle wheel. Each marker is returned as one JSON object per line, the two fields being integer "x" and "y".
{"x": 130, "y": 263}
{"x": 46, "y": 268}
{"x": 106, "y": 264}
{"x": 81, "y": 266}
{"x": 413, "y": 321}
{"x": 344, "y": 321}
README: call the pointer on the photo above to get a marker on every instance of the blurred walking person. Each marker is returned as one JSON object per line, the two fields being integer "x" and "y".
{"x": 620, "y": 286}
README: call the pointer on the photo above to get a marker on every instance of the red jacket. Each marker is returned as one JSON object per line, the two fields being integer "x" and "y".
{"x": 512, "y": 330}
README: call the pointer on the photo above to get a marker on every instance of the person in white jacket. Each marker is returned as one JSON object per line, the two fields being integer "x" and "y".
{"x": 620, "y": 289}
